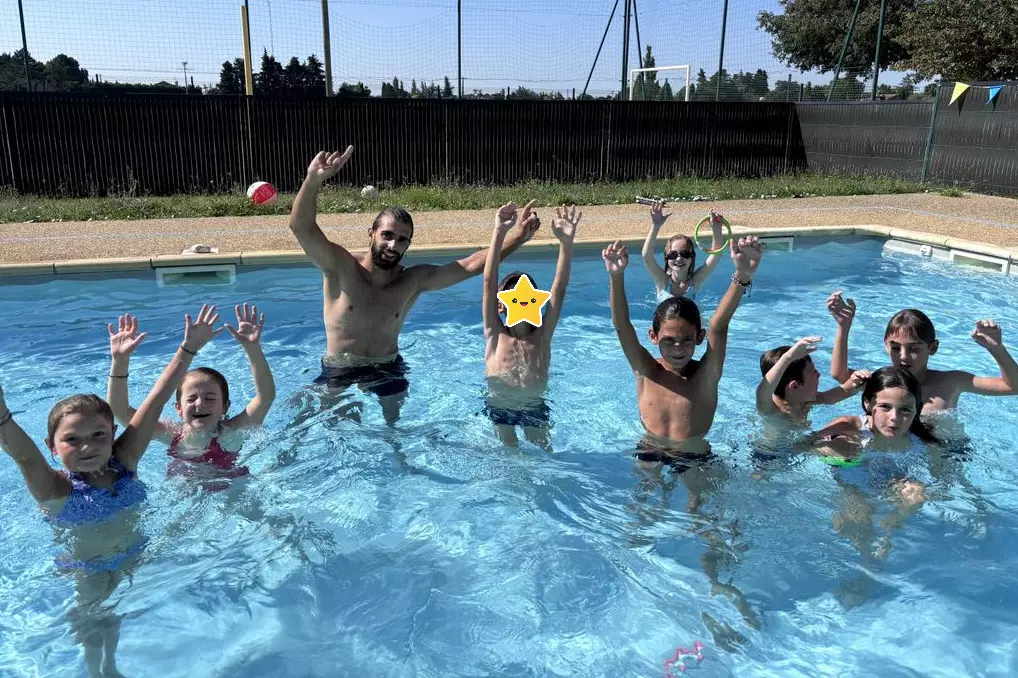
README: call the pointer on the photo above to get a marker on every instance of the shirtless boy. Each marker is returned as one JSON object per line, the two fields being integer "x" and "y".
{"x": 517, "y": 358}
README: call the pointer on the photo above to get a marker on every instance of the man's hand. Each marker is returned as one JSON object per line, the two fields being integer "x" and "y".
{"x": 564, "y": 225}
{"x": 616, "y": 258}
{"x": 987, "y": 334}
{"x": 325, "y": 165}
{"x": 842, "y": 310}
{"x": 746, "y": 254}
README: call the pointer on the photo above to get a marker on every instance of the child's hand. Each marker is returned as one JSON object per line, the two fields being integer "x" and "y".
{"x": 324, "y": 166}
{"x": 199, "y": 333}
{"x": 657, "y": 215}
{"x": 126, "y": 338}
{"x": 564, "y": 225}
{"x": 746, "y": 254}
{"x": 616, "y": 258}
{"x": 856, "y": 380}
{"x": 529, "y": 223}
{"x": 804, "y": 347}
{"x": 505, "y": 218}
{"x": 249, "y": 326}
{"x": 987, "y": 334}
{"x": 842, "y": 310}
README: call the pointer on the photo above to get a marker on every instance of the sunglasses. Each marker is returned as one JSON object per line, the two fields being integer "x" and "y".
{"x": 675, "y": 254}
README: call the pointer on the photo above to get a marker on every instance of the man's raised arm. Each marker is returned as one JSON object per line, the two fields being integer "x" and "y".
{"x": 329, "y": 257}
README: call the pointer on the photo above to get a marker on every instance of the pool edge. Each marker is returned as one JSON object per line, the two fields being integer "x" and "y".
{"x": 952, "y": 246}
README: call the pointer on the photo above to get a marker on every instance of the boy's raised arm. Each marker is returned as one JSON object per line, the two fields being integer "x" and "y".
{"x": 746, "y": 254}
{"x": 851, "y": 386}
{"x": 616, "y": 258}
{"x": 988, "y": 335}
{"x": 564, "y": 228}
{"x": 505, "y": 219}
{"x": 843, "y": 312}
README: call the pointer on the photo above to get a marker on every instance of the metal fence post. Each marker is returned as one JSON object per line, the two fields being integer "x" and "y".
{"x": 928, "y": 153}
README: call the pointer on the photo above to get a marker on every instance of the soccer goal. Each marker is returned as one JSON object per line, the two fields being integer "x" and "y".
{"x": 633, "y": 78}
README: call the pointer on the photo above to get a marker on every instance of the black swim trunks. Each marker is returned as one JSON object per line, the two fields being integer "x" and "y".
{"x": 536, "y": 415}
{"x": 382, "y": 379}
{"x": 679, "y": 462}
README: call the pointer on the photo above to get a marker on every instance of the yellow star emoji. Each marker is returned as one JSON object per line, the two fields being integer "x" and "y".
{"x": 524, "y": 303}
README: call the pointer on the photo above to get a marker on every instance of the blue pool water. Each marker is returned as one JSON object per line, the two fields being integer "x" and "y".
{"x": 430, "y": 550}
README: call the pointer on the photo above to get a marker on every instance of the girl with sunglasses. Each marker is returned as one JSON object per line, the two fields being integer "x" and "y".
{"x": 679, "y": 277}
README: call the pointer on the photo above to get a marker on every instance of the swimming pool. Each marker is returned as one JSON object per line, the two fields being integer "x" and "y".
{"x": 430, "y": 550}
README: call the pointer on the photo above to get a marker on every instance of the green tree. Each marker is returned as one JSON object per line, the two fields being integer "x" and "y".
{"x": 666, "y": 92}
{"x": 962, "y": 40}
{"x": 12, "y": 72}
{"x": 270, "y": 79}
{"x": 294, "y": 76}
{"x": 348, "y": 90}
{"x": 63, "y": 73}
{"x": 810, "y": 34}
{"x": 645, "y": 85}
{"x": 314, "y": 76}
{"x": 447, "y": 92}
{"x": 784, "y": 90}
{"x": 231, "y": 78}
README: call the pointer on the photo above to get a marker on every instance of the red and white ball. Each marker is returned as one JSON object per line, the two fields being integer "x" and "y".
{"x": 262, "y": 193}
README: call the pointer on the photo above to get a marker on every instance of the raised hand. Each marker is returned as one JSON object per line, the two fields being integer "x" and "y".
{"x": 987, "y": 334}
{"x": 325, "y": 165}
{"x": 616, "y": 258}
{"x": 249, "y": 325}
{"x": 842, "y": 310}
{"x": 746, "y": 254}
{"x": 200, "y": 332}
{"x": 529, "y": 222}
{"x": 126, "y": 338}
{"x": 505, "y": 218}
{"x": 804, "y": 347}
{"x": 566, "y": 220}
{"x": 856, "y": 380}
{"x": 657, "y": 215}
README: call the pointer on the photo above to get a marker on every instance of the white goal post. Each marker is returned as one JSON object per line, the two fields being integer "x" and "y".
{"x": 633, "y": 72}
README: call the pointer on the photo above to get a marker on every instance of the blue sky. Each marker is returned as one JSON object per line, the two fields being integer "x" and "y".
{"x": 542, "y": 44}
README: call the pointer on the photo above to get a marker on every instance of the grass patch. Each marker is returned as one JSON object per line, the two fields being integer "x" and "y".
{"x": 951, "y": 192}
{"x": 19, "y": 208}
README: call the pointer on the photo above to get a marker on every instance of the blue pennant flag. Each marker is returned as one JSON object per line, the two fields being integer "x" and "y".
{"x": 994, "y": 91}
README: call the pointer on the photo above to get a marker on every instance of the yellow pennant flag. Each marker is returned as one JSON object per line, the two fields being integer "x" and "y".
{"x": 959, "y": 89}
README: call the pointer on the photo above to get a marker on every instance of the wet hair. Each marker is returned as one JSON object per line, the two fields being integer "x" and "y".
{"x": 795, "y": 371}
{"x": 82, "y": 403}
{"x": 677, "y": 307}
{"x": 898, "y": 377}
{"x": 913, "y": 322}
{"x": 397, "y": 214}
{"x": 510, "y": 280}
{"x": 209, "y": 372}
{"x": 692, "y": 262}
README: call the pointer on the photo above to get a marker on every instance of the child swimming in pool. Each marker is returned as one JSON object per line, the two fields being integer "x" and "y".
{"x": 93, "y": 503}
{"x": 876, "y": 451}
{"x": 517, "y": 358}
{"x": 206, "y": 442}
{"x": 680, "y": 276}
{"x": 789, "y": 387}
{"x": 678, "y": 395}
{"x": 910, "y": 339}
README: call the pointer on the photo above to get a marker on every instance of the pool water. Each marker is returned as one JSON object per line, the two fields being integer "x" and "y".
{"x": 429, "y": 549}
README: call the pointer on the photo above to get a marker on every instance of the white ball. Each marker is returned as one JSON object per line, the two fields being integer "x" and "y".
{"x": 369, "y": 192}
{"x": 262, "y": 193}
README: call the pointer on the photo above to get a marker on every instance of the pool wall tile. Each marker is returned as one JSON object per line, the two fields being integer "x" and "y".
{"x": 195, "y": 259}
{"x": 269, "y": 258}
{"x": 27, "y": 269}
